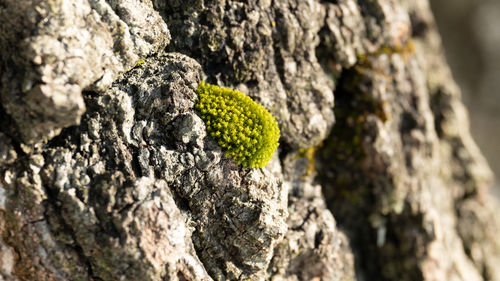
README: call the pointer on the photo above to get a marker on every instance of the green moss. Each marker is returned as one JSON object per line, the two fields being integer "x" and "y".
{"x": 243, "y": 128}
{"x": 309, "y": 153}
{"x": 141, "y": 61}
{"x": 407, "y": 51}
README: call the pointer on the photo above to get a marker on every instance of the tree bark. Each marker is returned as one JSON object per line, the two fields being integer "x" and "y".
{"x": 107, "y": 171}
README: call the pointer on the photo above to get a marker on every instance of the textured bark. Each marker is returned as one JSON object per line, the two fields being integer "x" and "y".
{"x": 107, "y": 172}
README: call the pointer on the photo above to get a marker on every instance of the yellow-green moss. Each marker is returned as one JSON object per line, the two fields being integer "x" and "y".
{"x": 141, "y": 61}
{"x": 310, "y": 154}
{"x": 243, "y": 128}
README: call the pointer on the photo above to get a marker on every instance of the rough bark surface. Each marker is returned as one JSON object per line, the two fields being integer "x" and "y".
{"x": 107, "y": 172}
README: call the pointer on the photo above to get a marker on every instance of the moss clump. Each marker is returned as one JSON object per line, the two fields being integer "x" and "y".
{"x": 141, "y": 61}
{"x": 243, "y": 128}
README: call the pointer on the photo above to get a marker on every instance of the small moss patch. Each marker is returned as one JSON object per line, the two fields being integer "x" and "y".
{"x": 243, "y": 128}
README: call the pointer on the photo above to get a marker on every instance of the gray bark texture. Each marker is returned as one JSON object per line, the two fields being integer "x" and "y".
{"x": 107, "y": 171}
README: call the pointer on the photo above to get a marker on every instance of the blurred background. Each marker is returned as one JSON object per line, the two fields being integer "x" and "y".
{"x": 471, "y": 37}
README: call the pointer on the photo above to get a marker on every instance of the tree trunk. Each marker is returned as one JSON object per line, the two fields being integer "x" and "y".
{"x": 107, "y": 172}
